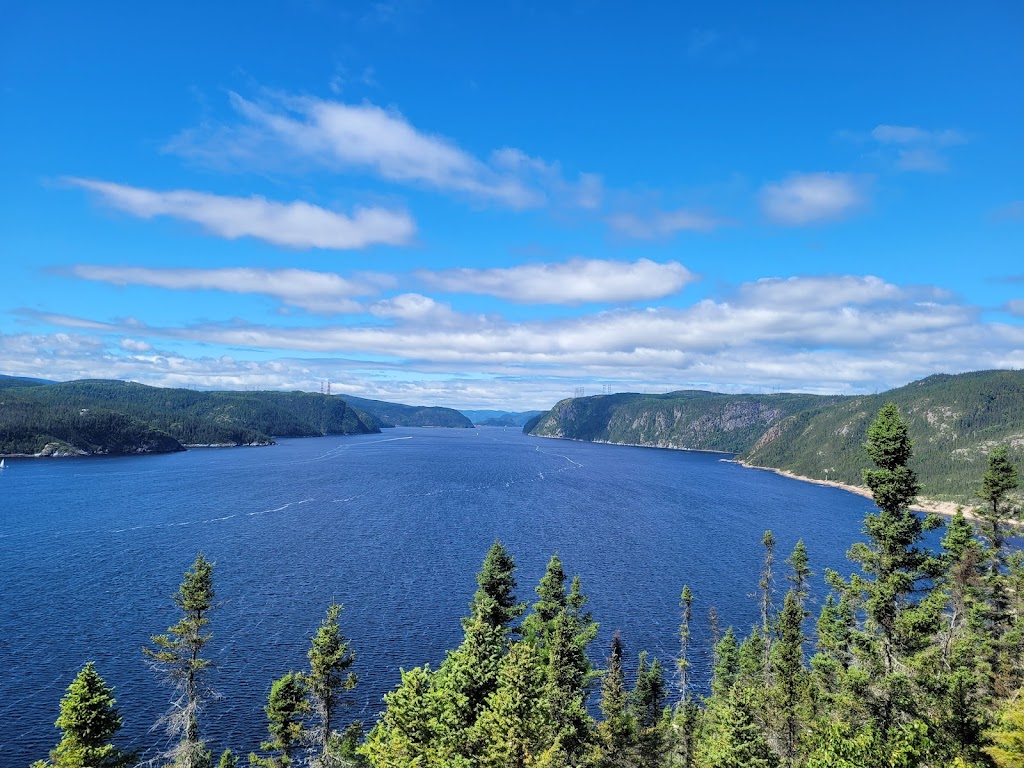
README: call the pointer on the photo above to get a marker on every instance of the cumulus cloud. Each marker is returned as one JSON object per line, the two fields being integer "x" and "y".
{"x": 663, "y": 224}
{"x": 294, "y": 225}
{"x": 415, "y": 308}
{"x": 807, "y": 198}
{"x": 576, "y": 281}
{"x": 371, "y": 139}
{"x": 321, "y": 292}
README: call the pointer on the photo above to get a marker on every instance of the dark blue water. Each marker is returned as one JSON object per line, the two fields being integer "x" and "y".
{"x": 395, "y": 527}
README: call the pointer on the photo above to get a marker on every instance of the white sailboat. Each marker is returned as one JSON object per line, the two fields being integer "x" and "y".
{"x": 2, "y": 464}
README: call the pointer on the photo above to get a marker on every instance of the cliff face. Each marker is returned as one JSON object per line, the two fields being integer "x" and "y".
{"x": 954, "y": 422}
{"x": 688, "y": 420}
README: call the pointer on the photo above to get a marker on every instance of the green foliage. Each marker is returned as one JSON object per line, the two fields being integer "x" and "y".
{"x": 689, "y": 419}
{"x": 954, "y": 421}
{"x": 328, "y": 679}
{"x": 287, "y": 705}
{"x": 101, "y": 416}
{"x": 176, "y": 655}
{"x": 399, "y": 415}
{"x": 495, "y": 601}
{"x": 89, "y": 722}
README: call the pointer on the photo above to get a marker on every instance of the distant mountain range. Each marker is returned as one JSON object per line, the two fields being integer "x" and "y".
{"x": 500, "y": 418}
{"x": 955, "y": 420}
{"x": 398, "y": 415}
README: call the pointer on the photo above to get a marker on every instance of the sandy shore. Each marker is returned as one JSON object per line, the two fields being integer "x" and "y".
{"x": 923, "y": 505}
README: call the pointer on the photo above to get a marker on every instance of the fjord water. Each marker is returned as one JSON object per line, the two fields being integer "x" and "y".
{"x": 392, "y": 525}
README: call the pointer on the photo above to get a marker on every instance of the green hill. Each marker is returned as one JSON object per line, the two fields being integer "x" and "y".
{"x": 399, "y": 415}
{"x": 103, "y": 416}
{"x": 955, "y": 420}
{"x": 691, "y": 419}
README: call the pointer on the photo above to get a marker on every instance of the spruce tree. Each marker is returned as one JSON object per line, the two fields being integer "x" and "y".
{"x": 685, "y": 714}
{"x": 513, "y": 728}
{"x": 328, "y": 679}
{"x": 997, "y": 485}
{"x": 176, "y": 654}
{"x": 900, "y": 606}
{"x": 648, "y": 704}
{"x": 287, "y": 705}
{"x": 495, "y": 601}
{"x": 89, "y": 722}
{"x": 617, "y": 731}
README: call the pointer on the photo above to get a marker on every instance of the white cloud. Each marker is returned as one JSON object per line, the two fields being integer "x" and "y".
{"x": 136, "y": 345}
{"x": 910, "y": 148}
{"x": 295, "y": 225}
{"x": 827, "y": 334}
{"x": 817, "y": 292}
{"x": 905, "y": 134}
{"x": 922, "y": 159}
{"x": 576, "y": 281}
{"x": 806, "y": 198}
{"x": 321, "y": 292}
{"x": 663, "y": 224}
{"x": 368, "y": 138}
{"x": 415, "y": 308}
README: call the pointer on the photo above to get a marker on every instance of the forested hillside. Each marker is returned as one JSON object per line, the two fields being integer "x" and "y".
{"x": 955, "y": 421}
{"x": 708, "y": 421}
{"x": 102, "y": 416}
{"x": 399, "y": 415}
{"x": 916, "y": 660}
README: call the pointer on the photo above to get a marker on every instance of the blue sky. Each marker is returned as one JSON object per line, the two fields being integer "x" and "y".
{"x": 489, "y": 205}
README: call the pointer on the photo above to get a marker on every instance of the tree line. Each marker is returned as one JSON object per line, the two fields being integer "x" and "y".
{"x": 915, "y": 660}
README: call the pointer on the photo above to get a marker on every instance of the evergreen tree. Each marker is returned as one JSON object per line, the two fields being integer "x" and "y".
{"x": 999, "y": 481}
{"x": 287, "y": 704}
{"x": 176, "y": 654}
{"x": 788, "y": 668}
{"x": 89, "y": 722}
{"x": 227, "y": 760}
{"x": 685, "y": 714}
{"x": 767, "y": 586}
{"x": 901, "y": 608}
{"x": 617, "y": 732}
{"x": 1007, "y": 748}
{"x": 733, "y": 738}
{"x": 495, "y": 601}
{"x": 648, "y": 704}
{"x": 513, "y": 728}
{"x": 801, "y": 576}
{"x": 328, "y": 679}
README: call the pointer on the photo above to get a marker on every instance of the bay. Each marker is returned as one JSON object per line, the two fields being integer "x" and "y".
{"x": 394, "y": 526}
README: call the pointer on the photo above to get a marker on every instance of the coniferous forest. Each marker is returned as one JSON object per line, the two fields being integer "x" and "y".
{"x": 915, "y": 659}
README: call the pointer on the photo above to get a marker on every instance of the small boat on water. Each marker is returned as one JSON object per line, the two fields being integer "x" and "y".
{"x": 2, "y": 464}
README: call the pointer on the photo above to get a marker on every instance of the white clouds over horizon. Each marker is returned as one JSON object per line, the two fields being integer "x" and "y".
{"x": 826, "y": 333}
{"x": 577, "y": 281}
{"x": 808, "y": 198}
{"x": 293, "y": 225}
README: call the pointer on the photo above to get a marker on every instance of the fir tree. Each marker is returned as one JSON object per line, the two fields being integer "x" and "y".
{"x": 328, "y": 679}
{"x": 513, "y": 728}
{"x": 227, "y": 760}
{"x": 89, "y": 722}
{"x": 648, "y": 704}
{"x": 177, "y": 655}
{"x": 495, "y": 601}
{"x": 901, "y": 610}
{"x": 287, "y": 705}
{"x": 617, "y": 731}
